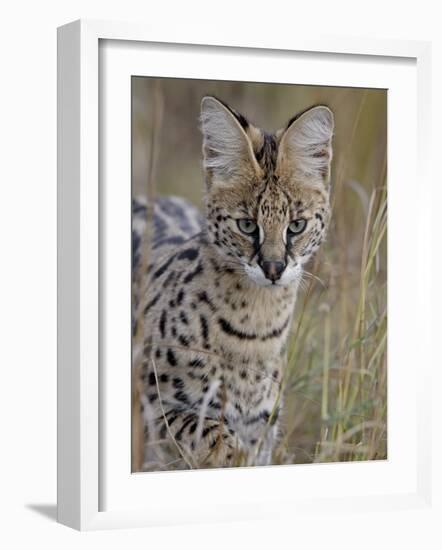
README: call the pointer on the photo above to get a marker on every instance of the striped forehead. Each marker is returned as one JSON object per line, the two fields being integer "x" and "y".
{"x": 267, "y": 154}
{"x": 273, "y": 205}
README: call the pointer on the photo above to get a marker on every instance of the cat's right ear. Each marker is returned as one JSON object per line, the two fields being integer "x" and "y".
{"x": 227, "y": 150}
{"x": 305, "y": 148}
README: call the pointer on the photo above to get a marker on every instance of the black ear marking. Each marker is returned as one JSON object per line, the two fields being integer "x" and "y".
{"x": 239, "y": 117}
{"x": 299, "y": 115}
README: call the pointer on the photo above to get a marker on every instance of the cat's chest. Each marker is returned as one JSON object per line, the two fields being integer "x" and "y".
{"x": 249, "y": 324}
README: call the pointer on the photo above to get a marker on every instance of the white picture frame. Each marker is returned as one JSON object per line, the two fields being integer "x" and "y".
{"x": 82, "y": 397}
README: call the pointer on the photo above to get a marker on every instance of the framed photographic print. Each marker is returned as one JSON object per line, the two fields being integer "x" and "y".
{"x": 225, "y": 373}
{"x": 232, "y": 274}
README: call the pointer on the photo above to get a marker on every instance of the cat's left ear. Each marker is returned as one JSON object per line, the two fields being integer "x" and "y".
{"x": 305, "y": 147}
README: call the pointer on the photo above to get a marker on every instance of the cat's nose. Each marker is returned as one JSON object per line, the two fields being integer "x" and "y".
{"x": 272, "y": 269}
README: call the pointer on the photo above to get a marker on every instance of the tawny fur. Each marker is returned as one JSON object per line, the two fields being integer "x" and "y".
{"x": 216, "y": 326}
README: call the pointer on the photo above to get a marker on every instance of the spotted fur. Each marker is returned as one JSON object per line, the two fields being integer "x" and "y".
{"x": 220, "y": 301}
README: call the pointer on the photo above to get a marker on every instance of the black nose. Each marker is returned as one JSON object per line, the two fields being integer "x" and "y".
{"x": 273, "y": 269}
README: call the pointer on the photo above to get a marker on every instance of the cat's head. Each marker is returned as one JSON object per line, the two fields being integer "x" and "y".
{"x": 267, "y": 195}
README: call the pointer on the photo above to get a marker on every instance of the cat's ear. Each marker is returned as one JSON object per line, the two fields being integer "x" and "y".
{"x": 305, "y": 147}
{"x": 227, "y": 150}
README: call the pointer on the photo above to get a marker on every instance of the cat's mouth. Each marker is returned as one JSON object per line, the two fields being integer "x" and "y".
{"x": 288, "y": 277}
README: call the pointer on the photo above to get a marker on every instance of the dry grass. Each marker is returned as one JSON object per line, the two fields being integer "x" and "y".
{"x": 336, "y": 381}
{"x": 335, "y": 386}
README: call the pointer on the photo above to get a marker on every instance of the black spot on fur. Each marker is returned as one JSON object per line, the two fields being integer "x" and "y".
{"x": 197, "y": 271}
{"x": 198, "y": 363}
{"x": 193, "y": 427}
{"x": 151, "y": 303}
{"x": 265, "y": 415}
{"x": 189, "y": 254}
{"x": 163, "y": 321}
{"x": 252, "y": 420}
{"x": 181, "y": 396}
{"x": 172, "y": 419}
{"x": 178, "y": 383}
{"x": 169, "y": 279}
{"x": 205, "y": 331}
{"x": 171, "y": 358}
{"x": 204, "y": 297}
{"x": 163, "y": 268}
{"x": 180, "y": 297}
{"x": 183, "y": 318}
{"x": 186, "y": 422}
{"x": 183, "y": 340}
{"x": 232, "y": 331}
{"x": 207, "y": 430}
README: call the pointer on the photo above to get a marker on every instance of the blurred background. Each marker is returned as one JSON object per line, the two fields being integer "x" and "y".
{"x": 335, "y": 405}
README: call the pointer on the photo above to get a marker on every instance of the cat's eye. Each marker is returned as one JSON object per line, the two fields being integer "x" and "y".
{"x": 247, "y": 226}
{"x": 297, "y": 226}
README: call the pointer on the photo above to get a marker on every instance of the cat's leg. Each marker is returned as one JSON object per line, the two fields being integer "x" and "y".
{"x": 201, "y": 442}
{"x": 262, "y": 454}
